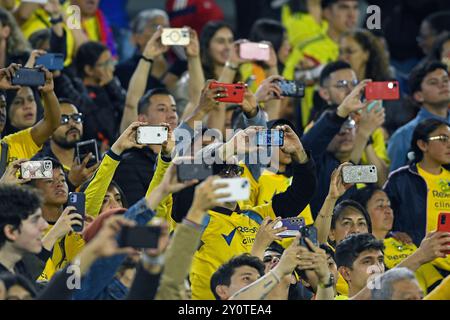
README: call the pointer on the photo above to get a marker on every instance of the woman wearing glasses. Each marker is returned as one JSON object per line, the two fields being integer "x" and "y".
{"x": 420, "y": 191}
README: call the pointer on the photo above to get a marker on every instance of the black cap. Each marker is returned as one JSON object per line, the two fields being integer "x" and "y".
{"x": 281, "y": 122}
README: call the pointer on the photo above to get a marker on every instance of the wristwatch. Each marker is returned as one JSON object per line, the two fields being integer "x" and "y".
{"x": 329, "y": 284}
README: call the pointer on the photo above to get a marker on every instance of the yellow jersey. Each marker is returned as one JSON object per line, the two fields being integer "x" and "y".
{"x": 21, "y": 145}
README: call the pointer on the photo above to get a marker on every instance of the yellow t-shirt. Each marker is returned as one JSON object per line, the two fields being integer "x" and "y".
{"x": 396, "y": 251}
{"x": 442, "y": 292}
{"x": 39, "y": 20}
{"x": 21, "y": 145}
{"x": 90, "y": 27}
{"x": 227, "y": 234}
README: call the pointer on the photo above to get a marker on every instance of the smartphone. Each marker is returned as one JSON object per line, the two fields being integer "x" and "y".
{"x": 175, "y": 37}
{"x": 52, "y": 61}
{"x": 270, "y": 138}
{"x": 444, "y": 224}
{"x": 78, "y": 200}
{"x": 83, "y": 148}
{"x": 383, "y": 90}
{"x": 291, "y": 88}
{"x": 235, "y": 92}
{"x": 254, "y": 51}
{"x": 373, "y": 104}
{"x": 191, "y": 171}
{"x": 152, "y": 134}
{"x": 28, "y": 77}
{"x": 360, "y": 174}
{"x": 309, "y": 232}
{"x": 238, "y": 188}
{"x": 139, "y": 237}
{"x": 36, "y": 169}
{"x": 293, "y": 226}
{"x": 36, "y": 1}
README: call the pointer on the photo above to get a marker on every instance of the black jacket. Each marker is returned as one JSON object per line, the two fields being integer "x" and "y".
{"x": 135, "y": 172}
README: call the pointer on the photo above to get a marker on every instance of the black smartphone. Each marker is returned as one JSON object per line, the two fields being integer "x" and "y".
{"x": 28, "y": 77}
{"x": 78, "y": 200}
{"x": 83, "y": 148}
{"x": 191, "y": 171}
{"x": 139, "y": 237}
{"x": 309, "y": 232}
{"x": 291, "y": 88}
{"x": 272, "y": 137}
{"x": 52, "y": 61}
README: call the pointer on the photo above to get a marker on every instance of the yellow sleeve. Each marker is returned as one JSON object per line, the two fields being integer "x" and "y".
{"x": 97, "y": 188}
{"x": 21, "y": 145}
{"x": 379, "y": 145}
{"x": 164, "y": 209}
{"x": 441, "y": 292}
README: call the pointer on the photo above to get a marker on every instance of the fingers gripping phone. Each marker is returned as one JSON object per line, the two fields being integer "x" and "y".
{"x": 78, "y": 200}
{"x": 152, "y": 134}
{"x": 191, "y": 171}
{"x": 235, "y": 92}
{"x": 359, "y": 174}
{"x": 83, "y": 148}
{"x": 254, "y": 51}
{"x": 270, "y": 138}
{"x": 309, "y": 232}
{"x": 291, "y": 88}
{"x": 293, "y": 226}
{"x": 139, "y": 237}
{"x": 383, "y": 90}
{"x": 444, "y": 224}
{"x": 238, "y": 188}
{"x": 52, "y": 61}
{"x": 28, "y": 77}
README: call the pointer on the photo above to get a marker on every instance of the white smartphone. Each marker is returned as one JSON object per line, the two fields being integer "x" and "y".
{"x": 151, "y": 134}
{"x": 175, "y": 37}
{"x": 36, "y": 1}
{"x": 238, "y": 188}
{"x": 359, "y": 174}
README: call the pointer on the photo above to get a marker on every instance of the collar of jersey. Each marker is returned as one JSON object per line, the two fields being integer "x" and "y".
{"x": 226, "y": 211}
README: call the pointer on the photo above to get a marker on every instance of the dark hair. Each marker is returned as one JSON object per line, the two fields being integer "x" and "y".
{"x": 350, "y": 248}
{"x": 422, "y": 132}
{"x": 421, "y": 71}
{"x": 298, "y": 6}
{"x": 17, "y": 203}
{"x": 88, "y": 55}
{"x": 268, "y": 30}
{"x": 436, "y": 51}
{"x": 377, "y": 66}
{"x": 276, "y": 247}
{"x": 11, "y": 280}
{"x": 208, "y": 32}
{"x": 223, "y": 275}
{"x": 112, "y": 184}
{"x": 38, "y": 38}
{"x": 66, "y": 101}
{"x": 144, "y": 101}
{"x": 339, "y": 210}
{"x": 363, "y": 195}
{"x": 439, "y": 21}
{"x": 55, "y": 165}
{"x": 330, "y": 68}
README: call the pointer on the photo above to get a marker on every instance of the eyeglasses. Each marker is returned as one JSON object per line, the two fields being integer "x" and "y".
{"x": 76, "y": 117}
{"x": 442, "y": 138}
{"x": 345, "y": 84}
{"x": 269, "y": 258}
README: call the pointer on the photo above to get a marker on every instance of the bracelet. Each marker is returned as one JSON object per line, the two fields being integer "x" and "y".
{"x": 54, "y": 21}
{"x": 153, "y": 261}
{"x": 147, "y": 59}
{"x": 231, "y": 66}
{"x": 275, "y": 276}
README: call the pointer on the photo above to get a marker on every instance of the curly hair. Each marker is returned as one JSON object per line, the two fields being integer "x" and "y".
{"x": 16, "y": 41}
{"x": 377, "y": 67}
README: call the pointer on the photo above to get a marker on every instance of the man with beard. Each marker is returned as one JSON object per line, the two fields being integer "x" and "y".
{"x": 62, "y": 146}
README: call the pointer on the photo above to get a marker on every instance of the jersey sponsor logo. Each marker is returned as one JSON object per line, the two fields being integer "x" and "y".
{"x": 229, "y": 237}
{"x": 245, "y": 230}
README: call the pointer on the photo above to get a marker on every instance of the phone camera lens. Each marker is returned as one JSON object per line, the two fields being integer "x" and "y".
{"x": 443, "y": 219}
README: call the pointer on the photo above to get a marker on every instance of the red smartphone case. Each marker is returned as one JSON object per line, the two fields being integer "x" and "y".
{"x": 384, "y": 90}
{"x": 444, "y": 224}
{"x": 235, "y": 91}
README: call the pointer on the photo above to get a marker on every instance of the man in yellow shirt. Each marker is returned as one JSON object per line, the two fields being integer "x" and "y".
{"x": 26, "y": 143}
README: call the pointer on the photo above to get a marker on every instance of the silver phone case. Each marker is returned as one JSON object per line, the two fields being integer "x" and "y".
{"x": 360, "y": 174}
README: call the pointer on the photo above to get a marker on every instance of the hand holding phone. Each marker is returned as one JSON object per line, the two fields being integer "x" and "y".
{"x": 29, "y": 77}
{"x": 238, "y": 189}
{"x": 254, "y": 51}
{"x": 152, "y": 135}
{"x": 273, "y": 137}
{"x": 193, "y": 171}
{"x": 293, "y": 226}
{"x": 309, "y": 232}
{"x": 51, "y": 61}
{"x": 78, "y": 200}
{"x": 36, "y": 169}
{"x": 444, "y": 224}
{"x": 82, "y": 149}
{"x": 234, "y": 92}
{"x": 291, "y": 88}
{"x": 175, "y": 37}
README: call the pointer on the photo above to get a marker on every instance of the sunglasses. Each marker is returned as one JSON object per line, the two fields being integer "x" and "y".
{"x": 442, "y": 138}
{"x": 76, "y": 117}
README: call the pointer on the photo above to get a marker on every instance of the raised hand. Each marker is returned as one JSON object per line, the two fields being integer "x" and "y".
{"x": 48, "y": 85}
{"x": 6, "y": 75}
{"x": 154, "y": 47}
{"x": 337, "y": 185}
{"x": 269, "y": 89}
{"x": 193, "y": 48}
{"x": 79, "y": 173}
{"x": 10, "y": 175}
{"x": 127, "y": 139}
{"x": 352, "y": 102}
{"x": 292, "y": 145}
